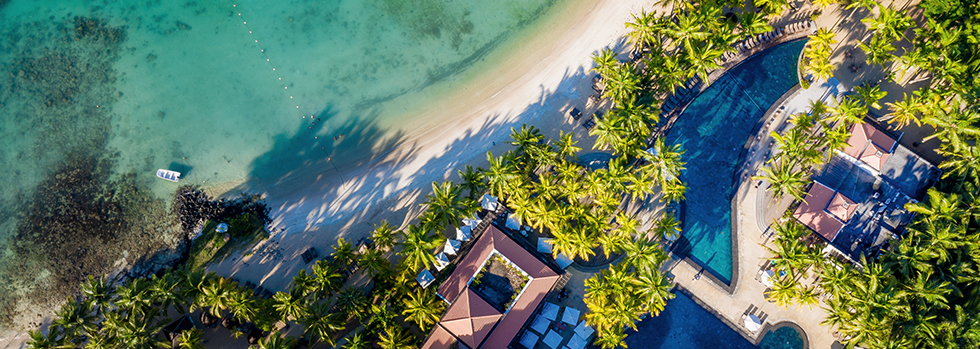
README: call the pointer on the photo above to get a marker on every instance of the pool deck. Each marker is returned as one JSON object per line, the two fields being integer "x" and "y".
{"x": 752, "y": 212}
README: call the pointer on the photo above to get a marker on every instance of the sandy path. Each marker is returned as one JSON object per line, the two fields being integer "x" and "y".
{"x": 537, "y": 86}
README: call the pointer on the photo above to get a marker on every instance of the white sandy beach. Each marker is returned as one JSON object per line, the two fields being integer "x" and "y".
{"x": 537, "y": 87}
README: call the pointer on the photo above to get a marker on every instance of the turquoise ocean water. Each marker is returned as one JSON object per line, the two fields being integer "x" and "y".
{"x": 96, "y": 96}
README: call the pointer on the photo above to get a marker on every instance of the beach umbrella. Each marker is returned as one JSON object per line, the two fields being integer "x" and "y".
{"x": 563, "y": 261}
{"x": 425, "y": 278}
{"x": 471, "y": 222}
{"x": 752, "y": 323}
{"x": 489, "y": 202}
{"x": 544, "y": 245}
{"x": 451, "y": 247}
{"x": 441, "y": 261}
{"x": 513, "y": 223}
{"x": 464, "y": 233}
{"x": 767, "y": 277}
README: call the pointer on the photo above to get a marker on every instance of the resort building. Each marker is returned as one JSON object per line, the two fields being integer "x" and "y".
{"x": 485, "y": 309}
{"x": 857, "y": 201}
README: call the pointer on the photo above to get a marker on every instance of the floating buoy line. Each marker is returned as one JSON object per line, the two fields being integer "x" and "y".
{"x": 282, "y": 83}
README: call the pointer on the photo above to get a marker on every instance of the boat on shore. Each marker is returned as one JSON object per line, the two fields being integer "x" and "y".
{"x": 169, "y": 175}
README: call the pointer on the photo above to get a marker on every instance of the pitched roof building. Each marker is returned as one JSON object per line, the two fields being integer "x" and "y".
{"x": 857, "y": 201}
{"x": 470, "y": 320}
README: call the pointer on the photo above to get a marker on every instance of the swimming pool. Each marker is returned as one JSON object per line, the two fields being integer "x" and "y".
{"x": 713, "y": 130}
{"x": 685, "y": 325}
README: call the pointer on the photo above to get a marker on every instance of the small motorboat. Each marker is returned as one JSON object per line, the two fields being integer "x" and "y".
{"x": 169, "y": 175}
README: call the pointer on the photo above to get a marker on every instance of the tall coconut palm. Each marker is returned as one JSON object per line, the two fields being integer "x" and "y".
{"x": 290, "y": 304}
{"x": 343, "y": 253}
{"x": 752, "y": 23}
{"x": 417, "y": 246}
{"x": 904, "y": 112}
{"x": 783, "y": 291}
{"x": 134, "y": 297}
{"x": 609, "y": 133}
{"x": 848, "y": 111}
{"x": 218, "y": 295}
{"x": 500, "y": 175}
{"x": 320, "y": 324}
{"x": 871, "y": 94}
{"x": 243, "y": 306}
{"x": 191, "y": 339}
{"x": 98, "y": 293}
{"x": 40, "y": 340}
{"x": 396, "y": 338}
{"x": 672, "y": 191}
{"x": 447, "y": 204}
{"x": 574, "y": 243}
{"x": 643, "y": 29}
{"x": 643, "y": 254}
{"x": 879, "y": 50}
{"x": 703, "y": 59}
{"x": 783, "y": 180}
{"x": 374, "y": 262}
{"x": 890, "y": 23}
{"x": 472, "y": 181}
{"x": 807, "y": 295}
{"x": 604, "y": 61}
{"x": 356, "y": 340}
{"x": 668, "y": 227}
{"x": 140, "y": 331}
{"x": 277, "y": 341}
{"x": 664, "y": 162}
{"x": 352, "y": 301}
{"x": 167, "y": 290}
{"x": 75, "y": 321}
{"x": 622, "y": 83}
{"x": 566, "y": 146}
{"x": 383, "y": 236}
{"x": 423, "y": 308}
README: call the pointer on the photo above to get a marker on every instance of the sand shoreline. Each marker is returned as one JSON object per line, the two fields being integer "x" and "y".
{"x": 537, "y": 86}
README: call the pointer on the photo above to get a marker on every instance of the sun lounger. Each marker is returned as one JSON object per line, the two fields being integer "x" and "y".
{"x": 575, "y": 113}
{"x": 310, "y": 255}
{"x": 267, "y": 294}
{"x": 250, "y": 285}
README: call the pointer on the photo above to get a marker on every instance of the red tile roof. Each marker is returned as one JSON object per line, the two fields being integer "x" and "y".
{"x": 542, "y": 279}
{"x": 841, "y": 207}
{"x": 470, "y": 318}
{"x": 812, "y": 214}
{"x": 439, "y": 339}
{"x": 867, "y": 142}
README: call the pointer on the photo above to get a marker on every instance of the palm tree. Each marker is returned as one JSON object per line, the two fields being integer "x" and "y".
{"x": 752, "y": 23}
{"x": 500, "y": 176}
{"x": 423, "y": 308}
{"x": 321, "y": 324}
{"x": 98, "y": 293}
{"x": 191, "y": 339}
{"x": 417, "y": 245}
{"x": 374, "y": 263}
{"x": 783, "y": 180}
{"x": 665, "y": 163}
{"x": 807, "y": 295}
{"x": 643, "y": 29}
{"x": 356, "y": 341}
{"x": 703, "y": 59}
{"x": 604, "y": 61}
{"x": 351, "y": 301}
{"x": 643, "y": 254}
{"x": 783, "y": 291}
{"x": 890, "y": 22}
{"x": 871, "y": 94}
{"x": 879, "y": 51}
{"x": 218, "y": 295}
{"x": 621, "y": 83}
{"x": 566, "y": 146}
{"x": 574, "y": 243}
{"x": 277, "y": 341}
{"x": 848, "y": 111}
{"x": 668, "y": 227}
{"x": 904, "y": 112}
{"x": 394, "y": 337}
{"x": 447, "y": 204}
{"x": 290, "y": 305}
{"x": 39, "y": 340}
{"x": 343, "y": 253}
{"x": 383, "y": 236}
{"x": 472, "y": 181}
{"x": 167, "y": 291}
{"x": 140, "y": 332}
{"x": 609, "y": 134}
{"x": 75, "y": 321}
{"x": 243, "y": 306}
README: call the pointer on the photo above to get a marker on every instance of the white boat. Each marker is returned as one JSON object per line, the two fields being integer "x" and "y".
{"x": 169, "y": 175}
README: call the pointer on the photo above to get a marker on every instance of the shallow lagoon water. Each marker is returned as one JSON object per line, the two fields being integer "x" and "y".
{"x": 96, "y": 96}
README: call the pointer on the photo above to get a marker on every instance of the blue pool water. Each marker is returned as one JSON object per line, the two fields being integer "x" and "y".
{"x": 713, "y": 131}
{"x": 684, "y": 324}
